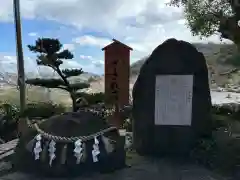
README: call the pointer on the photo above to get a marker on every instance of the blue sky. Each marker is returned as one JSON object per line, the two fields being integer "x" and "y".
{"x": 32, "y": 29}
{"x": 85, "y": 26}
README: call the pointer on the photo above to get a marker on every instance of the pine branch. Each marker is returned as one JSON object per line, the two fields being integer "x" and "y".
{"x": 72, "y": 72}
{"x": 46, "y": 45}
{"x": 48, "y": 83}
{"x": 49, "y": 53}
{"x": 47, "y": 60}
{"x": 57, "y": 83}
{"x": 65, "y": 54}
{"x": 64, "y": 78}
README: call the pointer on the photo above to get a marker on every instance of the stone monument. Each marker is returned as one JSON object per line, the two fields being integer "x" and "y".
{"x": 171, "y": 100}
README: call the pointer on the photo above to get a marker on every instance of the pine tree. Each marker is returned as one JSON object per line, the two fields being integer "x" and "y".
{"x": 49, "y": 53}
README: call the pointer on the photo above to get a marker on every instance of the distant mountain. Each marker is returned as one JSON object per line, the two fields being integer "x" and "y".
{"x": 217, "y": 56}
{"x": 10, "y": 79}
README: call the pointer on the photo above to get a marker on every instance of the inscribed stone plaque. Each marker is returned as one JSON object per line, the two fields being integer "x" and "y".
{"x": 173, "y": 100}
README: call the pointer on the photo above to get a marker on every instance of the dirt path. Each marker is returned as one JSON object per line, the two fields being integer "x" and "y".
{"x": 143, "y": 169}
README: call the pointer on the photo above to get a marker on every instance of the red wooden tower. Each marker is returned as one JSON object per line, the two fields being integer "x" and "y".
{"x": 117, "y": 68}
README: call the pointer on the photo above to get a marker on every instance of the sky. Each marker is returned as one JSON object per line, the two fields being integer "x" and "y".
{"x": 86, "y": 26}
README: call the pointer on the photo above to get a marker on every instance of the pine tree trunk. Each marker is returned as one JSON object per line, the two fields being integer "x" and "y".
{"x": 74, "y": 102}
{"x": 238, "y": 46}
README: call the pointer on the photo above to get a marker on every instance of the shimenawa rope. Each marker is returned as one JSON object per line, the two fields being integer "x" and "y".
{"x": 49, "y": 136}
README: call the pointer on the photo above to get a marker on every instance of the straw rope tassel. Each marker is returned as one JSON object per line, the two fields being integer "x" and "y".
{"x": 30, "y": 145}
{"x": 84, "y": 153}
{"x": 64, "y": 154}
{"x": 107, "y": 144}
{"x": 44, "y": 152}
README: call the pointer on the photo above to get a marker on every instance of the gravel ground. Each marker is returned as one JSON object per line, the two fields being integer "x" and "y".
{"x": 142, "y": 169}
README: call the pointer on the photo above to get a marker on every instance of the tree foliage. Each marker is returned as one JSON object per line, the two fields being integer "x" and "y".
{"x": 207, "y": 17}
{"x": 49, "y": 53}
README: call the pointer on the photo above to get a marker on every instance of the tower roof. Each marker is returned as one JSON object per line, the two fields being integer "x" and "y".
{"x": 116, "y": 42}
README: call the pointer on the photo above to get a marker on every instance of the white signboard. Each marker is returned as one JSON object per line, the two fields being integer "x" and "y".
{"x": 173, "y": 100}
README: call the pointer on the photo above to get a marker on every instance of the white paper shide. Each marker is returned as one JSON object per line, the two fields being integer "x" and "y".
{"x": 95, "y": 151}
{"x": 51, "y": 151}
{"x": 78, "y": 150}
{"x": 37, "y": 149}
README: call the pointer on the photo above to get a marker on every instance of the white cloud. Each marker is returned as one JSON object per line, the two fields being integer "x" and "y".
{"x": 141, "y": 24}
{"x": 71, "y": 64}
{"x": 89, "y": 40}
{"x": 8, "y": 63}
{"x": 70, "y": 47}
{"x": 118, "y": 18}
{"x": 5, "y": 8}
{"x": 33, "y": 34}
{"x": 143, "y": 20}
{"x": 86, "y": 57}
{"x": 94, "y": 62}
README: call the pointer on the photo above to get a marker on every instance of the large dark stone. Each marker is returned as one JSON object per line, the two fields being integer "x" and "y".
{"x": 71, "y": 124}
{"x": 170, "y": 58}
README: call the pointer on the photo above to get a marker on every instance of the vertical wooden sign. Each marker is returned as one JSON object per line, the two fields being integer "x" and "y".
{"x": 113, "y": 95}
{"x": 117, "y": 67}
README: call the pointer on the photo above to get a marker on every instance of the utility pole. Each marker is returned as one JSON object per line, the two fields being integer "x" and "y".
{"x": 20, "y": 61}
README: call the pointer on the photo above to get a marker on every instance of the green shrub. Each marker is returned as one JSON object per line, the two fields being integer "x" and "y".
{"x": 10, "y": 115}
{"x": 219, "y": 121}
{"x": 127, "y": 124}
{"x": 222, "y": 110}
{"x": 230, "y": 110}
{"x": 93, "y": 98}
{"x": 221, "y": 152}
{"x": 234, "y": 60}
{"x": 43, "y": 110}
{"x": 204, "y": 151}
{"x": 8, "y": 121}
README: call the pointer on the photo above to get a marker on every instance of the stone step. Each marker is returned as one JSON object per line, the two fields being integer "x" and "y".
{"x": 7, "y": 149}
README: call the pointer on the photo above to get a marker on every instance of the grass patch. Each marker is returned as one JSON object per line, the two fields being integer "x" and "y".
{"x": 34, "y": 94}
{"x": 132, "y": 158}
